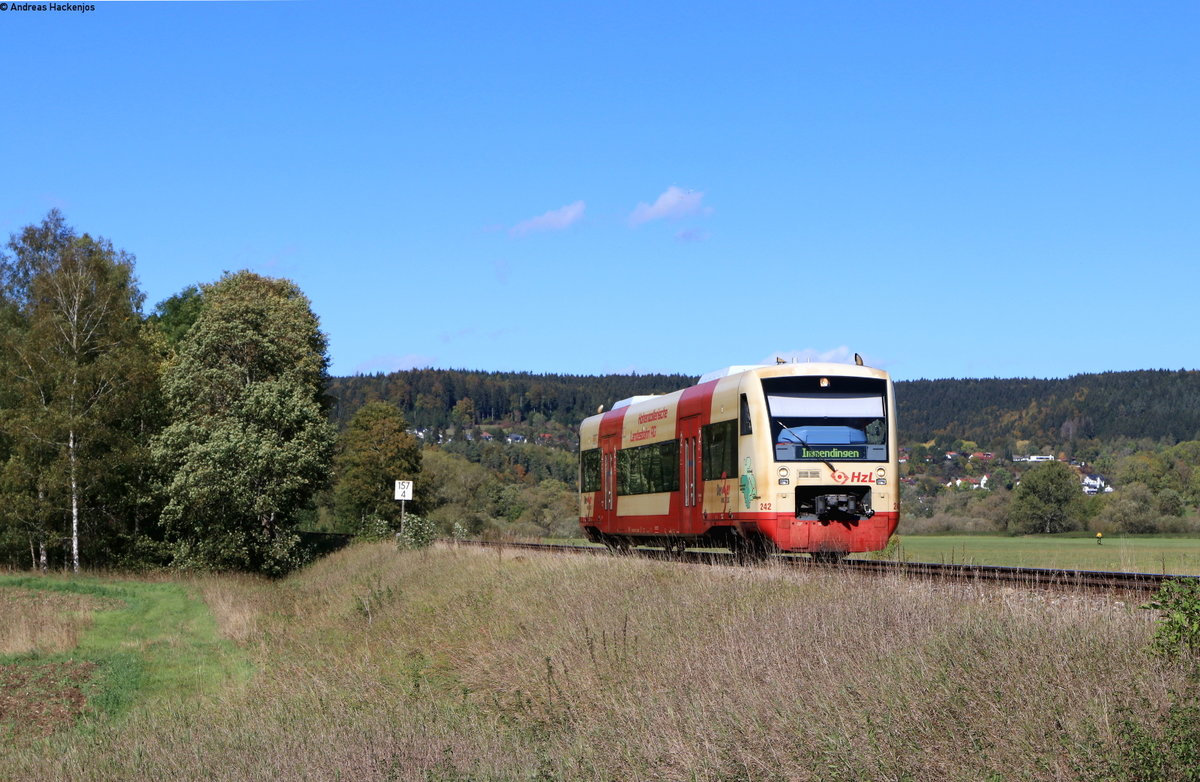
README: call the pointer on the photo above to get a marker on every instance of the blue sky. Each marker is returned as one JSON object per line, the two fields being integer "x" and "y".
{"x": 980, "y": 189}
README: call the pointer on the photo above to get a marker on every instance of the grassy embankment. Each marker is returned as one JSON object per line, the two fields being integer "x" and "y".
{"x": 466, "y": 664}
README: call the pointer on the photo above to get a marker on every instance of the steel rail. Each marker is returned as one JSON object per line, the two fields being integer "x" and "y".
{"x": 1047, "y": 578}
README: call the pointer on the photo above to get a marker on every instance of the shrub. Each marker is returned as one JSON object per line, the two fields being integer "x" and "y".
{"x": 419, "y": 532}
{"x": 1168, "y": 748}
{"x": 1170, "y": 503}
{"x": 1130, "y": 510}
{"x": 1178, "y": 604}
{"x": 372, "y": 527}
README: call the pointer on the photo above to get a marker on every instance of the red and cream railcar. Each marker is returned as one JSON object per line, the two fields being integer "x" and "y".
{"x": 791, "y": 457}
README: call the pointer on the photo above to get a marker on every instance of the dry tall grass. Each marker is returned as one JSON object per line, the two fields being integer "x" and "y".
{"x": 35, "y": 620}
{"x": 463, "y": 664}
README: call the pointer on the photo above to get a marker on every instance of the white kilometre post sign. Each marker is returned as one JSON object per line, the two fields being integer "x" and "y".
{"x": 403, "y": 493}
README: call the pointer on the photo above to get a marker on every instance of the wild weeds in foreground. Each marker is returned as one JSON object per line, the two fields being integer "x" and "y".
{"x": 476, "y": 665}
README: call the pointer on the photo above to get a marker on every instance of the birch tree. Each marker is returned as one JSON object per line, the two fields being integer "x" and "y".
{"x": 72, "y": 354}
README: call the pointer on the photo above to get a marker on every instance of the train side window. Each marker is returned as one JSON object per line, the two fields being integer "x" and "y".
{"x": 746, "y": 426}
{"x": 719, "y": 449}
{"x": 630, "y": 472}
{"x": 648, "y": 469}
{"x": 666, "y": 476}
{"x": 589, "y": 470}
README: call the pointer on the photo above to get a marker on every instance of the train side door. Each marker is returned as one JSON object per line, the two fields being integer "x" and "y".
{"x": 689, "y": 475}
{"x": 608, "y": 482}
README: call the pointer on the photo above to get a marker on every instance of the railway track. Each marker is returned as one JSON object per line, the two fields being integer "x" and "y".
{"x": 1045, "y": 578}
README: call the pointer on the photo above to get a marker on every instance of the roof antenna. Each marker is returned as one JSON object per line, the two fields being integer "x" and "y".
{"x": 779, "y": 360}
{"x": 858, "y": 359}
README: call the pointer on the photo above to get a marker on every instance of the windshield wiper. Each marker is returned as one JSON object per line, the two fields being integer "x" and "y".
{"x": 802, "y": 442}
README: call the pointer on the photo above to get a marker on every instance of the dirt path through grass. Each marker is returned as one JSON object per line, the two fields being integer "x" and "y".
{"x": 94, "y": 649}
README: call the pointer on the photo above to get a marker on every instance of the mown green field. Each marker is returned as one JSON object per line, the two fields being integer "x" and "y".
{"x": 1126, "y": 554}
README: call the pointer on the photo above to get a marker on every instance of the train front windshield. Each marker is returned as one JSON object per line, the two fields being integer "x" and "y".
{"x": 822, "y": 418}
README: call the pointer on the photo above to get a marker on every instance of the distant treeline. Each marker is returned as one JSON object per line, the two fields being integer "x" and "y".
{"x": 430, "y": 397}
{"x": 1156, "y": 404}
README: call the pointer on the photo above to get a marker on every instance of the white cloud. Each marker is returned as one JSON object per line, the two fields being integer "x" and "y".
{"x": 674, "y": 203}
{"x": 554, "y": 220}
{"x": 838, "y": 355}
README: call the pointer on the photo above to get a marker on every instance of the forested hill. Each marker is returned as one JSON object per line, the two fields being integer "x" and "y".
{"x": 1158, "y": 404}
{"x": 444, "y": 397}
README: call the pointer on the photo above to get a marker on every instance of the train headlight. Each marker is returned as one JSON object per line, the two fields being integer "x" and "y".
{"x": 824, "y": 382}
{"x": 880, "y": 473}
{"x": 783, "y": 472}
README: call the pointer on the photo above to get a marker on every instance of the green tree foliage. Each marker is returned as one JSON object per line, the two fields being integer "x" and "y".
{"x": 431, "y": 397}
{"x": 550, "y": 508}
{"x": 1067, "y": 413}
{"x": 248, "y": 444}
{"x": 461, "y": 491}
{"x": 1131, "y": 509}
{"x": 468, "y": 497}
{"x": 520, "y": 463}
{"x": 1169, "y": 502}
{"x": 1047, "y": 500}
{"x": 80, "y": 390}
{"x": 463, "y": 414}
{"x": 374, "y": 451}
{"x": 1001, "y": 478}
{"x": 176, "y": 315}
{"x": 418, "y": 533}
{"x": 1178, "y": 605}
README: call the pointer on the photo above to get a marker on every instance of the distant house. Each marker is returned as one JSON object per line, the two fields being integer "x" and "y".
{"x": 1094, "y": 484}
{"x": 982, "y": 456}
{"x": 1040, "y": 459}
{"x": 516, "y": 438}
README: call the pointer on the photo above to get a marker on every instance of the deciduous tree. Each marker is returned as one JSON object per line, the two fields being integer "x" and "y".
{"x": 375, "y": 451}
{"x": 1048, "y": 499}
{"x": 76, "y": 369}
{"x": 248, "y": 444}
